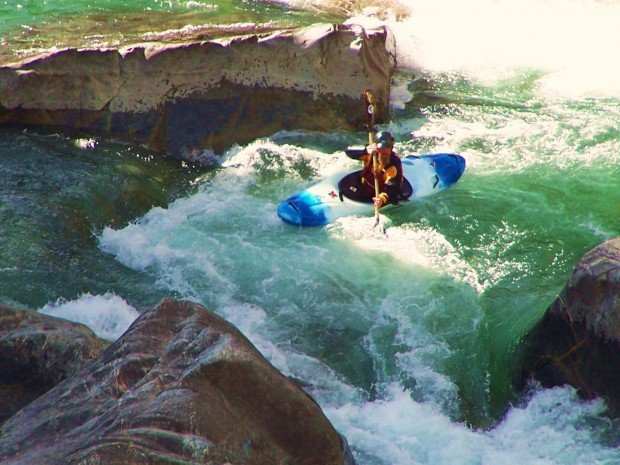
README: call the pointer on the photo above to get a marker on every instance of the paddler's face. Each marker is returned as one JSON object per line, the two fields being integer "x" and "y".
{"x": 384, "y": 154}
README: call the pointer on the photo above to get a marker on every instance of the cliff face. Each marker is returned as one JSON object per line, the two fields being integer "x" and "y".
{"x": 208, "y": 94}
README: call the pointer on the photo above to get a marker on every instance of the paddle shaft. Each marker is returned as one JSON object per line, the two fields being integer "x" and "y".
{"x": 369, "y": 99}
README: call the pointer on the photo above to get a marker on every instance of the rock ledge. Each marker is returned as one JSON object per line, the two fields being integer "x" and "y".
{"x": 207, "y": 94}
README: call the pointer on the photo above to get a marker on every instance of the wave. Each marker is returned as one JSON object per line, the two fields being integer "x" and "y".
{"x": 108, "y": 315}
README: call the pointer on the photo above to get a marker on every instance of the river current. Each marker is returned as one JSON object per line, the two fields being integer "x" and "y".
{"x": 405, "y": 340}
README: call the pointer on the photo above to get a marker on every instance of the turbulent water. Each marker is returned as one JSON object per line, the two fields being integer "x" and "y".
{"x": 407, "y": 340}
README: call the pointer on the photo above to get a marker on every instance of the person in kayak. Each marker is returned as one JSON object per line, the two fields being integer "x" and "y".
{"x": 389, "y": 169}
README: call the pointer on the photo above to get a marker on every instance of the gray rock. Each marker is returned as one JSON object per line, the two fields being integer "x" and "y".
{"x": 180, "y": 386}
{"x": 36, "y": 353}
{"x": 207, "y": 94}
{"x": 577, "y": 342}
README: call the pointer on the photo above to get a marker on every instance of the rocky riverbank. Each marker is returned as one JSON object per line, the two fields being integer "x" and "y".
{"x": 577, "y": 342}
{"x": 36, "y": 353}
{"x": 182, "y": 385}
{"x": 209, "y": 94}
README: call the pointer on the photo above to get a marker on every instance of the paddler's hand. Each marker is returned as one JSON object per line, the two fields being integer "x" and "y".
{"x": 380, "y": 200}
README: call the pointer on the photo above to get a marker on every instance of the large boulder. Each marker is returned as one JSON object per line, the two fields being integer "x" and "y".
{"x": 577, "y": 342}
{"x": 36, "y": 353}
{"x": 206, "y": 94}
{"x": 182, "y": 385}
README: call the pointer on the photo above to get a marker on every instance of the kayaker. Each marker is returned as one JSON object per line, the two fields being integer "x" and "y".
{"x": 390, "y": 170}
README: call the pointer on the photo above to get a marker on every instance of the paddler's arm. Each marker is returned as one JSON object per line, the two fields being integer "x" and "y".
{"x": 366, "y": 157}
{"x": 362, "y": 153}
{"x": 390, "y": 186}
{"x": 357, "y": 152}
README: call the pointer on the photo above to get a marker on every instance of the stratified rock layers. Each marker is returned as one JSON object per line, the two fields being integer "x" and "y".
{"x": 182, "y": 385}
{"x": 208, "y": 94}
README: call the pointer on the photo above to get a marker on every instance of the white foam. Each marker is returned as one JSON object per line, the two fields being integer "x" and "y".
{"x": 573, "y": 41}
{"x": 399, "y": 92}
{"x": 107, "y": 315}
{"x": 86, "y": 143}
{"x": 225, "y": 247}
{"x": 603, "y": 234}
{"x": 192, "y": 4}
{"x": 166, "y": 240}
{"x": 397, "y": 430}
{"x": 191, "y": 31}
{"x": 501, "y": 143}
{"x": 412, "y": 245}
{"x": 186, "y": 244}
{"x": 549, "y": 430}
{"x": 284, "y": 158}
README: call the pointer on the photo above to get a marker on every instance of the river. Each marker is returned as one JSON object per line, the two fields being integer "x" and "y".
{"x": 405, "y": 340}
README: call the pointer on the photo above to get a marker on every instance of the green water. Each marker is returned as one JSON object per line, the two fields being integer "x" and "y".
{"x": 29, "y": 26}
{"x": 56, "y": 193}
{"x": 546, "y": 189}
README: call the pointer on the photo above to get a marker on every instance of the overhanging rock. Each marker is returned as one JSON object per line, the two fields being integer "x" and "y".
{"x": 208, "y": 94}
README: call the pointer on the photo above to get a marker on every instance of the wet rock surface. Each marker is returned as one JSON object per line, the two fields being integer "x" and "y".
{"x": 577, "y": 342}
{"x": 180, "y": 386}
{"x": 36, "y": 353}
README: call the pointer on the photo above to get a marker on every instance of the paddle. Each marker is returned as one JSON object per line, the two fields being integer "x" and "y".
{"x": 369, "y": 100}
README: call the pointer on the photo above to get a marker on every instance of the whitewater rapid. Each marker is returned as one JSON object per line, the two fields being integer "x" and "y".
{"x": 401, "y": 338}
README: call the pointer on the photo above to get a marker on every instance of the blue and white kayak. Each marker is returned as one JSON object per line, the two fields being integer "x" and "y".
{"x": 342, "y": 195}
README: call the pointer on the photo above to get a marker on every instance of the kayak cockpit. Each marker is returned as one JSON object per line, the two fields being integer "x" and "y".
{"x": 351, "y": 187}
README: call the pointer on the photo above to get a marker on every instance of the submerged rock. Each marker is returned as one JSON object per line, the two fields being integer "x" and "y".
{"x": 180, "y": 386}
{"x": 577, "y": 342}
{"x": 208, "y": 94}
{"x": 36, "y": 353}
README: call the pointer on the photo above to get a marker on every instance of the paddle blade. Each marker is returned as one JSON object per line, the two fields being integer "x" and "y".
{"x": 369, "y": 104}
